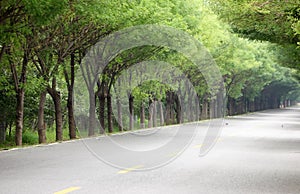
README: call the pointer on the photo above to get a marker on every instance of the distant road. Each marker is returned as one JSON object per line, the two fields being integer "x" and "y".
{"x": 255, "y": 153}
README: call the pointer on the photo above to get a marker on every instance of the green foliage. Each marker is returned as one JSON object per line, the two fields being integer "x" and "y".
{"x": 51, "y": 30}
{"x": 260, "y": 19}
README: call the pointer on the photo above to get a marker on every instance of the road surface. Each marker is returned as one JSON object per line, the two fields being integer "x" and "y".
{"x": 255, "y": 153}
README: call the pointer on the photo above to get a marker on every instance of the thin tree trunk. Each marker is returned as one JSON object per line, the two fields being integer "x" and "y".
{"x": 3, "y": 127}
{"x": 161, "y": 110}
{"x": 204, "y": 109}
{"x": 20, "y": 115}
{"x": 120, "y": 119}
{"x": 150, "y": 116}
{"x": 178, "y": 109}
{"x": 190, "y": 107}
{"x": 92, "y": 113}
{"x": 154, "y": 117}
{"x": 41, "y": 121}
{"x": 109, "y": 114}
{"x": 168, "y": 108}
{"x": 142, "y": 112}
{"x": 131, "y": 112}
{"x": 102, "y": 112}
{"x": 212, "y": 109}
{"x": 102, "y": 95}
{"x": 71, "y": 120}
{"x": 70, "y": 85}
{"x": 197, "y": 106}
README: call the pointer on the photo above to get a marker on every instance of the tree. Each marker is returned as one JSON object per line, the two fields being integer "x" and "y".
{"x": 273, "y": 21}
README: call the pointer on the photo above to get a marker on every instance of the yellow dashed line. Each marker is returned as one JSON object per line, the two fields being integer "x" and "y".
{"x": 130, "y": 169}
{"x": 68, "y": 190}
{"x": 173, "y": 154}
{"x": 198, "y": 146}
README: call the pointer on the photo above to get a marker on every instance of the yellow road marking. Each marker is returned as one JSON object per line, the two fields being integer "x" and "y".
{"x": 68, "y": 190}
{"x": 198, "y": 146}
{"x": 130, "y": 169}
{"x": 173, "y": 154}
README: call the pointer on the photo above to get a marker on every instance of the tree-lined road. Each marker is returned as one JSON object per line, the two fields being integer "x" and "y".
{"x": 256, "y": 153}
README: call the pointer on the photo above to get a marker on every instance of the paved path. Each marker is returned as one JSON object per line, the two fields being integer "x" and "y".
{"x": 255, "y": 153}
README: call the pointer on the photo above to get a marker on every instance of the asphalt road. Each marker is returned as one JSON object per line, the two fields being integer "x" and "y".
{"x": 255, "y": 153}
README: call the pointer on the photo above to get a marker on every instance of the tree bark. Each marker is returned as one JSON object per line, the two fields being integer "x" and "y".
{"x": 154, "y": 115}
{"x": 168, "y": 107}
{"x": 178, "y": 109}
{"x": 70, "y": 105}
{"x": 20, "y": 96}
{"x": 58, "y": 110}
{"x": 161, "y": 110}
{"x": 197, "y": 108}
{"x": 190, "y": 107}
{"x": 142, "y": 112}
{"x": 131, "y": 112}
{"x": 150, "y": 116}
{"x": 102, "y": 112}
{"x": 102, "y": 95}
{"x": 120, "y": 119}
{"x": 212, "y": 109}
{"x": 204, "y": 108}
{"x": 109, "y": 114}
{"x": 3, "y": 127}
{"x": 41, "y": 121}
{"x": 92, "y": 113}
{"x": 19, "y": 116}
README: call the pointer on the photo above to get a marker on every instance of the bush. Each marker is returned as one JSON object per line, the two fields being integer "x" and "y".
{"x": 30, "y": 137}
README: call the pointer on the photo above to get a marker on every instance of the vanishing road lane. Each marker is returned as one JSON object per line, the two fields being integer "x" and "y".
{"x": 255, "y": 153}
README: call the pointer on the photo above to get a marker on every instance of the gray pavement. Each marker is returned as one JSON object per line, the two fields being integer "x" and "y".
{"x": 255, "y": 153}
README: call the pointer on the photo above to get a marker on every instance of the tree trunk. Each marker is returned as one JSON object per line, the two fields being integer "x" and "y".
{"x": 102, "y": 95}
{"x": 92, "y": 113}
{"x": 168, "y": 107}
{"x": 231, "y": 103}
{"x": 120, "y": 119}
{"x": 102, "y": 112}
{"x": 19, "y": 116}
{"x": 41, "y": 121}
{"x": 154, "y": 115}
{"x": 109, "y": 114}
{"x": 212, "y": 109}
{"x": 142, "y": 112}
{"x": 71, "y": 120}
{"x": 161, "y": 110}
{"x": 178, "y": 109}
{"x": 150, "y": 116}
{"x": 2, "y": 129}
{"x": 58, "y": 111}
{"x": 70, "y": 105}
{"x": 131, "y": 112}
{"x": 20, "y": 95}
{"x": 220, "y": 105}
{"x": 190, "y": 107}
{"x": 204, "y": 109}
{"x": 197, "y": 107}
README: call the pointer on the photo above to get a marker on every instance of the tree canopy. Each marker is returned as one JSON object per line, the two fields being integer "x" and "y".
{"x": 43, "y": 43}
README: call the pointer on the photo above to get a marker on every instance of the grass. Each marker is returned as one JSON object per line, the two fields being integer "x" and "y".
{"x": 30, "y": 137}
